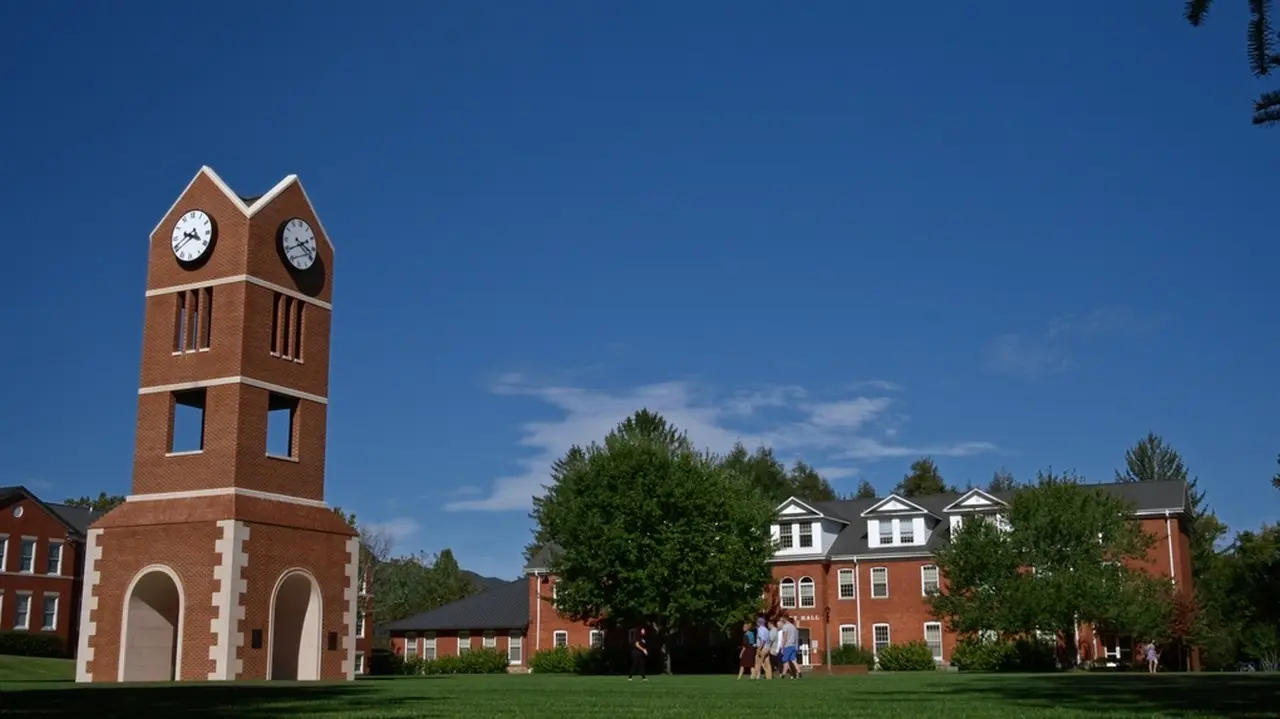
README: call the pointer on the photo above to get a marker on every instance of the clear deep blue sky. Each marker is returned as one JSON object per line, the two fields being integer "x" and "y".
{"x": 1006, "y": 234}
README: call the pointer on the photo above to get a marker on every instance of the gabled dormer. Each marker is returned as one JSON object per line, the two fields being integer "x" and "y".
{"x": 978, "y": 503}
{"x": 898, "y": 522}
{"x": 801, "y": 529}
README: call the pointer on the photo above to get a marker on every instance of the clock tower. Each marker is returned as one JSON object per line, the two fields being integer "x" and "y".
{"x": 225, "y": 562}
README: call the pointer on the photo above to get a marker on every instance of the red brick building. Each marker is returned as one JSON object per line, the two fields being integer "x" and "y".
{"x": 859, "y": 571}
{"x": 494, "y": 619}
{"x": 225, "y": 562}
{"x": 41, "y": 564}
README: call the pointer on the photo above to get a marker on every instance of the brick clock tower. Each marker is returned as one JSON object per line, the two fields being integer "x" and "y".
{"x": 225, "y": 562}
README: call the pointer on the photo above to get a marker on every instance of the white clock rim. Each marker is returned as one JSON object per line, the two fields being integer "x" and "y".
{"x": 204, "y": 246}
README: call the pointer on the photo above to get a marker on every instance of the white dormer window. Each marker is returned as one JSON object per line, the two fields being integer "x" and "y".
{"x": 786, "y": 540}
{"x": 906, "y": 532}
{"x": 806, "y": 534}
{"x": 886, "y": 531}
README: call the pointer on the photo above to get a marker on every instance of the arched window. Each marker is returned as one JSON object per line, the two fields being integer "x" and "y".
{"x": 807, "y": 597}
{"x": 787, "y": 593}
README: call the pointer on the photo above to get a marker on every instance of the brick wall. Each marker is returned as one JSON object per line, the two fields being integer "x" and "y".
{"x": 47, "y": 531}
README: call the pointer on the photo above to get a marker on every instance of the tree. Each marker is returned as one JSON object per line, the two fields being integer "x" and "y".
{"x": 559, "y": 468}
{"x": 1261, "y": 50}
{"x": 864, "y": 491}
{"x": 1061, "y": 560}
{"x": 1002, "y": 481}
{"x": 1275, "y": 481}
{"x": 763, "y": 471}
{"x": 102, "y": 503}
{"x": 654, "y": 534}
{"x": 375, "y": 548}
{"x": 449, "y": 582}
{"x": 924, "y": 478}
{"x": 806, "y": 484}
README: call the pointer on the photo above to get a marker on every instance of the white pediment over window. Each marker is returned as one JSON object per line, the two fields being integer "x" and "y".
{"x": 795, "y": 509}
{"x": 974, "y": 499}
{"x": 893, "y": 504}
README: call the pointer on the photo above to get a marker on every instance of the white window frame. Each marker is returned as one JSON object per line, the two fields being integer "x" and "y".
{"x": 924, "y": 581}
{"x": 786, "y": 536}
{"x": 410, "y": 645}
{"x": 429, "y": 646}
{"x": 4, "y": 552}
{"x": 595, "y": 639}
{"x": 44, "y": 598}
{"x": 885, "y": 573}
{"x": 464, "y": 642}
{"x": 888, "y": 537}
{"x": 34, "y": 542}
{"x": 515, "y": 643}
{"x": 359, "y": 662}
{"x": 782, "y": 593}
{"x": 852, "y": 584}
{"x": 906, "y": 531}
{"x": 55, "y": 553}
{"x": 26, "y": 625}
{"x": 489, "y": 640}
{"x": 810, "y": 601}
{"x": 805, "y": 529}
{"x": 555, "y": 639}
{"x": 359, "y": 625}
{"x": 875, "y": 642}
{"x": 937, "y": 653}
{"x": 856, "y": 640}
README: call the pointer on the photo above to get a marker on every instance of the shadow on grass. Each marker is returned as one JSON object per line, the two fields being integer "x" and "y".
{"x": 240, "y": 700}
{"x": 1237, "y": 696}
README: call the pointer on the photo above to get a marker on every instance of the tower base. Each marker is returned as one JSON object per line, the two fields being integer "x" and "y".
{"x": 220, "y": 587}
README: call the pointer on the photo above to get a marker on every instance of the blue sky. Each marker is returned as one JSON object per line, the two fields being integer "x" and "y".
{"x": 1001, "y": 235}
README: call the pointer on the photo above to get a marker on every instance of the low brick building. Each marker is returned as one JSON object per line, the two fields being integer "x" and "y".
{"x": 494, "y": 619}
{"x": 41, "y": 564}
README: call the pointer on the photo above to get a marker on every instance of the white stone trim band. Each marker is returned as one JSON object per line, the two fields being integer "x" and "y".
{"x": 240, "y": 278}
{"x": 239, "y": 379}
{"x": 223, "y": 491}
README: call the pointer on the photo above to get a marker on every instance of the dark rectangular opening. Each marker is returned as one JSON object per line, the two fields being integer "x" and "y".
{"x": 205, "y": 326}
{"x": 187, "y": 432}
{"x": 286, "y": 334}
{"x": 179, "y": 321}
{"x": 333, "y": 641}
{"x": 275, "y": 323}
{"x": 282, "y": 426}
{"x": 296, "y": 334}
{"x": 255, "y": 640}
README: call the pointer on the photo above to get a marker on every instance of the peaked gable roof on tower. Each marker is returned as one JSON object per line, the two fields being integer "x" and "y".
{"x": 249, "y": 205}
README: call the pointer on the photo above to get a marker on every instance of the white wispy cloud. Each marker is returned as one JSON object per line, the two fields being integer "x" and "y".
{"x": 1037, "y": 354}
{"x": 397, "y": 530}
{"x": 825, "y": 431}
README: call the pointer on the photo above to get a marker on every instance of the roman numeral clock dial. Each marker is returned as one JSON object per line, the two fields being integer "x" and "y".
{"x": 298, "y": 242}
{"x": 192, "y": 236}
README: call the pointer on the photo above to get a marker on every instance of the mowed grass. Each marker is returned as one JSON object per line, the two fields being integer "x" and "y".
{"x": 34, "y": 692}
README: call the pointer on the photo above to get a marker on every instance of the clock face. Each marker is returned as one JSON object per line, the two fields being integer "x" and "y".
{"x": 298, "y": 241}
{"x": 192, "y": 236}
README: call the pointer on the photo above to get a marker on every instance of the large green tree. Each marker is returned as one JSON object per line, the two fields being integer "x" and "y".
{"x": 102, "y": 503}
{"x": 1060, "y": 561}
{"x": 652, "y": 533}
{"x": 1260, "y": 46}
{"x": 1248, "y": 580}
{"x": 1002, "y": 481}
{"x": 763, "y": 470}
{"x": 922, "y": 478}
{"x": 865, "y": 491}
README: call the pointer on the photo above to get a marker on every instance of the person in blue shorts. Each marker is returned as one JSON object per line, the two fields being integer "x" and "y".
{"x": 790, "y": 647}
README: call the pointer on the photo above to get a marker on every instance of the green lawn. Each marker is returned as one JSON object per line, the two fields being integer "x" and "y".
{"x": 944, "y": 695}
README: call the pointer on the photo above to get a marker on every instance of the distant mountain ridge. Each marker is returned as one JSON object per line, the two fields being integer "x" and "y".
{"x": 484, "y": 583}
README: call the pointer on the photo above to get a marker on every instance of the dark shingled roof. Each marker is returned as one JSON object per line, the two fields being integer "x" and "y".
{"x": 504, "y": 607}
{"x": 76, "y": 519}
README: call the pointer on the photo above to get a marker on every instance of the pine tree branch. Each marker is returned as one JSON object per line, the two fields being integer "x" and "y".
{"x": 1197, "y": 10}
{"x": 1266, "y": 111}
{"x": 1260, "y": 36}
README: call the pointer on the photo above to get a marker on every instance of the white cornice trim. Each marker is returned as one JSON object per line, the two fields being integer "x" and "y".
{"x": 224, "y": 491}
{"x": 219, "y": 381}
{"x": 240, "y": 278}
{"x": 249, "y": 210}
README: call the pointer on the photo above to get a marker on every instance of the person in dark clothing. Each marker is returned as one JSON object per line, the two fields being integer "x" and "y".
{"x": 639, "y": 656}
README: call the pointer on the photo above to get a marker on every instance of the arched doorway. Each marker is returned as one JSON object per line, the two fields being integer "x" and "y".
{"x": 295, "y": 627}
{"x": 151, "y": 641}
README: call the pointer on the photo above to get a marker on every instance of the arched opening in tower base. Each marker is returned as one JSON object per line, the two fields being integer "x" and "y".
{"x": 152, "y": 628}
{"x": 295, "y": 628}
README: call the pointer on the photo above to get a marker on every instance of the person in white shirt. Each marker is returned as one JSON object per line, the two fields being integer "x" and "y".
{"x": 790, "y": 648}
{"x": 775, "y": 646}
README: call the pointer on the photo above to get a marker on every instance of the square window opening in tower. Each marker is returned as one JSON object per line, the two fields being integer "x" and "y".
{"x": 282, "y": 426}
{"x": 187, "y": 431}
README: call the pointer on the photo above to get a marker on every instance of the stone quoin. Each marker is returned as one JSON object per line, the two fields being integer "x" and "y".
{"x": 225, "y": 562}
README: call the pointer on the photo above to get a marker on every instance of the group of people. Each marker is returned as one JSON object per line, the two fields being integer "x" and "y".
{"x": 770, "y": 647}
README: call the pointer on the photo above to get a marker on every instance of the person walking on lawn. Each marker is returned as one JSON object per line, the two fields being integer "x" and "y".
{"x": 640, "y": 656}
